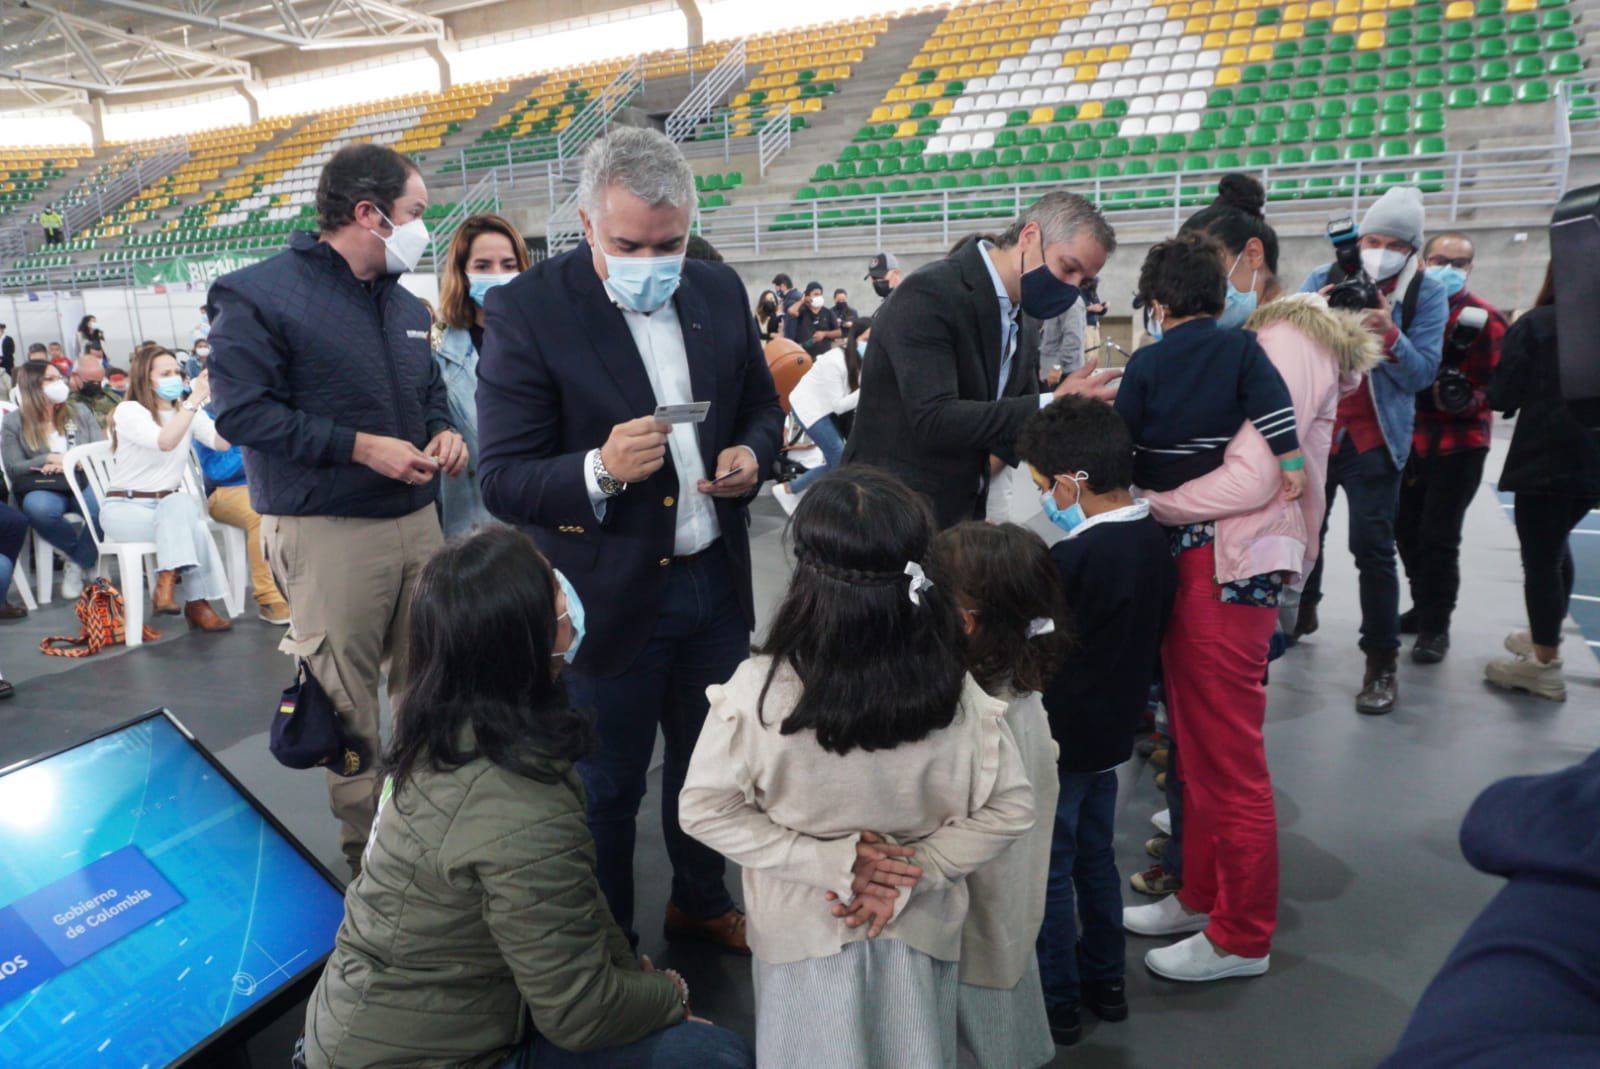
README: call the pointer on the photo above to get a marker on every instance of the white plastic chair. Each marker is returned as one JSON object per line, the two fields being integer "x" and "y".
{"x": 233, "y": 547}
{"x": 136, "y": 564}
{"x": 1133, "y": 126}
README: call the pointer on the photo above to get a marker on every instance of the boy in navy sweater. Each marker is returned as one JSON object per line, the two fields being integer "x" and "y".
{"x": 1186, "y": 395}
{"x": 1119, "y": 577}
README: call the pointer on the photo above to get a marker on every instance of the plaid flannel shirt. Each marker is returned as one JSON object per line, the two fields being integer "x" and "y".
{"x": 1437, "y": 433}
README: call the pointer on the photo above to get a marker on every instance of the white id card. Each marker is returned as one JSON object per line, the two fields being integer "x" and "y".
{"x": 693, "y": 412}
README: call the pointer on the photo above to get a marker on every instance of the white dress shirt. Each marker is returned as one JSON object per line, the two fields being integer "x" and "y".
{"x": 138, "y": 462}
{"x": 1010, "y": 329}
{"x": 659, "y": 338}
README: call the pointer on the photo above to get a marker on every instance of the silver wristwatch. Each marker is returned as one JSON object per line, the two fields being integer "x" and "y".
{"x": 609, "y": 484}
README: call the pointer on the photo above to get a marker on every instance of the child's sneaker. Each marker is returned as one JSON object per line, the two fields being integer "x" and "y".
{"x": 1156, "y": 881}
{"x": 1163, "y": 821}
{"x": 1166, "y": 916}
{"x": 1157, "y": 847}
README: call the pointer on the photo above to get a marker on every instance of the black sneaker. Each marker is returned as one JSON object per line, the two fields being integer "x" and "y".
{"x": 1306, "y": 622}
{"x": 1065, "y": 1027}
{"x": 1430, "y": 648}
{"x": 1106, "y": 999}
{"x": 1408, "y": 622}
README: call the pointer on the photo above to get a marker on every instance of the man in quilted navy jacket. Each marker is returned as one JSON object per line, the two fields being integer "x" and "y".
{"x": 322, "y": 370}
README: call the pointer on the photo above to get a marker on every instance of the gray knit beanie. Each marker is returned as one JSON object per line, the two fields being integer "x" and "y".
{"x": 1397, "y": 214}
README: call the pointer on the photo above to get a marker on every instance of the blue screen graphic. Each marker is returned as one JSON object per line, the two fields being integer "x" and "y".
{"x": 144, "y": 904}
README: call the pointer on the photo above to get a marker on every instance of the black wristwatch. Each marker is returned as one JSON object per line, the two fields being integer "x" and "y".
{"x": 609, "y": 484}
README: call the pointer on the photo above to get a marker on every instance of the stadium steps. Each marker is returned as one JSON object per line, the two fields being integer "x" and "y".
{"x": 470, "y": 130}
{"x": 833, "y": 127}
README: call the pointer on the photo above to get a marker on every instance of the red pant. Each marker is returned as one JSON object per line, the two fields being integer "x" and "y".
{"x": 1215, "y": 656}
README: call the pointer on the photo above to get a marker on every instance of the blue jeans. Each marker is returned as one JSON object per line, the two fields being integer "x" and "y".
{"x": 13, "y": 533}
{"x": 1371, "y": 485}
{"x": 1083, "y": 885}
{"x": 177, "y": 525}
{"x": 690, "y": 1045}
{"x": 47, "y": 511}
{"x": 699, "y": 640}
{"x": 825, "y": 433}
{"x": 1172, "y": 854}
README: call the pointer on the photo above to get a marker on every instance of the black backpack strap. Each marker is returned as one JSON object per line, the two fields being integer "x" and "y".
{"x": 1408, "y": 306}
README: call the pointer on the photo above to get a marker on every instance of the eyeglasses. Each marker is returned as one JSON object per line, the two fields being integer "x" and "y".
{"x": 1460, "y": 263}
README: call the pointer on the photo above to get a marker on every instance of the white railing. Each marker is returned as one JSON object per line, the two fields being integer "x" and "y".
{"x": 563, "y": 229}
{"x": 146, "y": 168}
{"x": 483, "y": 197}
{"x": 702, "y": 100}
{"x": 774, "y": 138}
{"x": 595, "y": 118}
{"x": 1453, "y": 183}
{"x": 1582, "y": 96}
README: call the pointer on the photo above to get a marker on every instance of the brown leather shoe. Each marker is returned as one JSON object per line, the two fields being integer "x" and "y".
{"x": 202, "y": 617}
{"x": 12, "y": 612}
{"x": 162, "y": 600}
{"x": 725, "y": 932}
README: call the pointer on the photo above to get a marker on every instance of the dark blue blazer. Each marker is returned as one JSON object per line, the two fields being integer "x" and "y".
{"x": 558, "y": 370}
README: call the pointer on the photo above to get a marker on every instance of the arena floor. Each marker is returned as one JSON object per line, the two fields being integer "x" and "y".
{"x": 1374, "y": 889}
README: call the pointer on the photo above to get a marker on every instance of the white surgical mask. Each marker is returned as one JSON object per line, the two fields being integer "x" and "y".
{"x": 56, "y": 391}
{"x": 403, "y": 248}
{"x": 816, "y": 304}
{"x": 1383, "y": 264}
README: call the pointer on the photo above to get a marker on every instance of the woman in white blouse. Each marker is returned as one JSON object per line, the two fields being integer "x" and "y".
{"x": 146, "y": 502}
{"x": 820, "y": 401}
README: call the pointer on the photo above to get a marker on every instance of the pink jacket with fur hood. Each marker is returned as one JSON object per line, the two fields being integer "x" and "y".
{"x": 1322, "y": 354}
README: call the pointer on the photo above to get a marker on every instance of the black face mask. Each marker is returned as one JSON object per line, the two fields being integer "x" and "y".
{"x": 90, "y": 389}
{"x": 881, "y": 287}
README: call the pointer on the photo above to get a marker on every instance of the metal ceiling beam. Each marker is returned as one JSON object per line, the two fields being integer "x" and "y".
{"x": 213, "y": 60}
{"x": 210, "y": 22}
{"x": 24, "y": 78}
{"x": 418, "y": 26}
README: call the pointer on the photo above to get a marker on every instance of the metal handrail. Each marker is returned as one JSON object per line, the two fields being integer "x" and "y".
{"x": 595, "y": 119}
{"x": 774, "y": 138}
{"x": 483, "y": 197}
{"x": 701, "y": 101}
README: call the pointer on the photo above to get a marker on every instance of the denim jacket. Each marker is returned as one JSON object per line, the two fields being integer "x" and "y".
{"x": 1413, "y": 362}
{"x": 460, "y": 497}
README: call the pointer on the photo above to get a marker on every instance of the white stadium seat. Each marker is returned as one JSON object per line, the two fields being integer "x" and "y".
{"x": 1186, "y": 123}
{"x": 1132, "y": 126}
{"x": 1141, "y": 105}
{"x": 1158, "y": 124}
{"x": 1194, "y": 100}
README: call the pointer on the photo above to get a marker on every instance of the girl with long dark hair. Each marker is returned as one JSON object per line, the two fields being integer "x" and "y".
{"x": 1013, "y": 622}
{"x": 477, "y": 903}
{"x": 854, "y": 722}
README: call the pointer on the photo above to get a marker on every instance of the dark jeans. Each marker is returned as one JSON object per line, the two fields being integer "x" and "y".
{"x": 13, "y": 533}
{"x": 690, "y": 1045}
{"x": 699, "y": 640}
{"x": 825, "y": 434}
{"x": 1434, "y": 495}
{"x": 1172, "y": 853}
{"x": 1372, "y": 487}
{"x": 1083, "y": 886}
{"x": 1543, "y": 523}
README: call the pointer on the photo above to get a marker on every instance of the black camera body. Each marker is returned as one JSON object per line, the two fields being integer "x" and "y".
{"x": 1453, "y": 391}
{"x": 1354, "y": 289}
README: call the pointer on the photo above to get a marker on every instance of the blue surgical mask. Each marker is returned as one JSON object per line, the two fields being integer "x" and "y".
{"x": 1152, "y": 327}
{"x": 1044, "y": 296}
{"x": 1454, "y": 279}
{"x": 1241, "y": 304}
{"x": 171, "y": 388}
{"x": 861, "y": 348}
{"x": 574, "y": 614}
{"x": 643, "y": 283}
{"x": 1072, "y": 516}
{"x": 478, "y": 286}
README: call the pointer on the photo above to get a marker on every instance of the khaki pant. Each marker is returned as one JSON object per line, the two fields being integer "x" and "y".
{"x": 231, "y": 505}
{"x": 349, "y": 583}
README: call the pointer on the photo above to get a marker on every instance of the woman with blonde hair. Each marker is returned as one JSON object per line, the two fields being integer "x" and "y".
{"x": 33, "y": 440}
{"x": 486, "y": 252}
{"x": 150, "y": 436}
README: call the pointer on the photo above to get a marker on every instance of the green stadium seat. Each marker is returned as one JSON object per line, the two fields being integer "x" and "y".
{"x": 1232, "y": 138}
{"x": 1341, "y": 43}
{"x": 1463, "y": 98}
{"x": 961, "y": 161}
{"x": 1036, "y": 154}
{"x": 1108, "y": 170}
{"x": 1526, "y": 45}
{"x": 913, "y": 165}
{"x": 1533, "y": 92}
{"x": 1305, "y": 90}
{"x": 1326, "y": 130}
{"x": 823, "y": 173}
{"x": 1172, "y": 143}
{"x": 1334, "y": 108}
{"x": 1010, "y": 157}
{"x": 1227, "y": 161}
{"x": 1286, "y": 50}
{"x": 1364, "y": 106}
{"x": 1116, "y": 148}
{"x": 1460, "y": 30}
{"x": 1106, "y": 129}
{"x": 1486, "y": 8}
{"x": 1491, "y": 27}
{"x": 1145, "y": 145}
{"x": 997, "y": 178}
{"x": 1052, "y": 174}
{"x": 1253, "y": 74}
{"x": 1263, "y": 136}
{"x": 1061, "y": 152}
{"x": 984, "y": 159}
{"x": 1341, "y": 64}
{"x": 1258, "y": 158}
{"x": 1396, "y": 80}
{"x": 1493, "y": 49}
{"x": 890, "y": 167}
{"x": 1529, "y": 67}
{"x": 1497, "y": 95}
{"x": 1368, "y": 61}
{"x": 1461, "y": 52}
{"x": 1336, "y": 87}
{"x": 1220, "y": 98}
{"x": 1558, "y": 19}
{"x": 1281, "y": 71}
{"x": 1430, "y": 145}
{"x": 1460, "y": 74}
{"x": 1026, "y": 176}
{"x": 1360, "y": 126}
{"x": 1248, "y": 96}
{"x": 1295, "y": 133}
{"x": 1561, "y": 41}
{"x": 850, "y": 152}
{"x": 1079, "y": 131}
{"x": 1087, "y": 150}
{"x": 1394, "y": 125}
{"x": 1066, "y": 113}
{"x": 1214, "y": 120}
{"x": 1031, "y": 136}
{"x": 1565, "y": 63}
{"x": 1017, "y": 118}
{"x": 1005, "y": 139}
{"x": 1242, "y": 117}
{"x": 1496, "y": 70}
{"x": 1078, "y": 172}
{"x": 1308, "y": 67}
{"x": 867, "y": 169}
{"x": 1115, "y": 109}
{"x": 1318, "y": 28}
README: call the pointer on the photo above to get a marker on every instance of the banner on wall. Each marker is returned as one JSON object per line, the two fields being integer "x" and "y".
{"x": 195, "y": 272}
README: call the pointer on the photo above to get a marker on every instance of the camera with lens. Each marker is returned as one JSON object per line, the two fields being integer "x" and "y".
{"x": 1452, "y": 390}
{"x": 1353, "y": 289}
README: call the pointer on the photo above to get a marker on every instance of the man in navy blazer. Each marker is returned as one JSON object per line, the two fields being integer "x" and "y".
{"x": 646, "y": 519}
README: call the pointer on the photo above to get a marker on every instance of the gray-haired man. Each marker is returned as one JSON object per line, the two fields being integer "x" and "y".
{"x": 941, "y": 388}
{"x": 644, "y": 516}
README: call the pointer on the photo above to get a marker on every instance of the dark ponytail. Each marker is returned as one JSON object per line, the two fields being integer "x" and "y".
{"x": 1236, "y": 216}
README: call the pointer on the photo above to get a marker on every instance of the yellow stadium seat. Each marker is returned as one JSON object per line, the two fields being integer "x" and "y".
{"x": 1091, "y": 109}
{"x": 1118, "y": 52}
{"x": 1320, "y": 9}
{"x": 1461, "y": 9}
{"x": 906, "y": 129}
{"x": 1259, "y": 53}
{"x": 907, "y": 79}
{"x": 899, "y": 112}
{"x": 1195, "y": 25}
{"x": 1374, "y": 20}
{"x": 1239, "y": 37}
{"x": 1344, "y": 24}
{"x": 1233, "y": 56}
{"x": 1214, "y": 40}
{"x": 879, "y": 114}
{"x": 1201, "y": 7}
{"x": 1072, "y": 57}
{"x": 1096, "y": 54}
{"x": 1517, "y": 6}
{"x": 1244, "y": 20}
{"x": 1264, "y": 34}
{"x": 1041, "y": 116}
{"x": 1228, "y": 76}
{"x": 1370, "y": 39}
{"x": 967, "y": 70}
{"x": 1347, "y": 7}
{"x": 943, "y": 107}
{"x": 1178, "y": 11}
{"x": 1087, "y": 73}
{"x": 988, "y": 69}
{"x": 895, "y": 95}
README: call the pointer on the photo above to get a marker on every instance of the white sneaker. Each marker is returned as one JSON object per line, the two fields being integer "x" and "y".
{"x": 1527, "y": 674}
{"x": 1163, "y": 821}
{"x": 1165, "y": 917}
{"x": 787, "y": 498}
{"x": 71, "y": 581}
{"x": 1520, "y": 644}
{"x": 1197, "y": 959}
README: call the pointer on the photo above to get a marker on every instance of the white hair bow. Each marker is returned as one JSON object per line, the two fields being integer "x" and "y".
{"x": 1042, "y": 626}
{"x": 919, "y": 582}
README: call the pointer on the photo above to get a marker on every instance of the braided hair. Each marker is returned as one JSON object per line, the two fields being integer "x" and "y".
{"x": 877, "y": 668}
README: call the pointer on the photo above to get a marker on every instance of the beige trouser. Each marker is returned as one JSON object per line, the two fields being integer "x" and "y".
{"x": 231, "y": 505}
{"x": 349, "y": 582}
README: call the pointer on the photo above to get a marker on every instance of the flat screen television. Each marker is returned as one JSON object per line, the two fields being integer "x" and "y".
{"x": 150, "y": 908}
